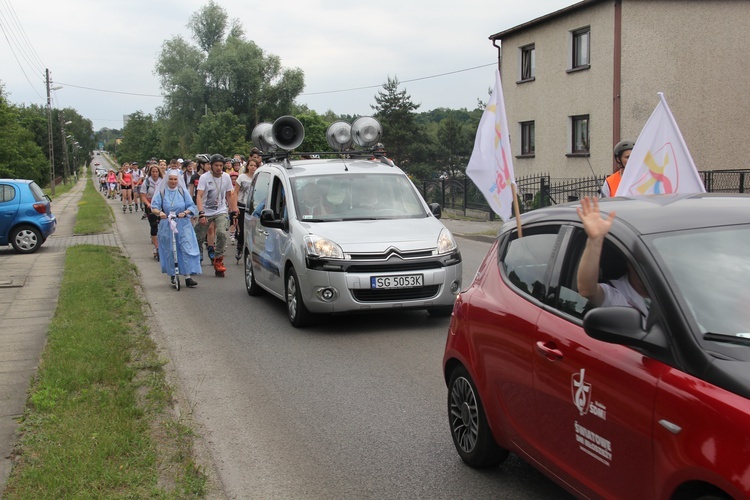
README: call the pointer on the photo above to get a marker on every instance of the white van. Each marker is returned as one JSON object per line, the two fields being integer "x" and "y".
{"x": 343, "y": 235}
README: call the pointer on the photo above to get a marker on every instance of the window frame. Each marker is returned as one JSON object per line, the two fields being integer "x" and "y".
{"x": 527, "y": 53}
{"x": 576, "y": 60}
{"x": 574, "y": 119}
{"x": 528, "y": 139}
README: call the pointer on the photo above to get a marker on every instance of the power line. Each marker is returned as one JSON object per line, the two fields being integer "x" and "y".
{"x": 32, "y": 51}
{"x": 108, "y": 91}
{"x": 5, "y": 34}
{"x": 403, "y": 81}
{"x": 304, "y": 93}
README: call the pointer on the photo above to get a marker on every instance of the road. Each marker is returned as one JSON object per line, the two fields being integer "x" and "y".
{"x": 354, "y": 407}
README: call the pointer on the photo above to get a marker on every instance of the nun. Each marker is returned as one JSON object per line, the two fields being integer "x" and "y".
{"x": 173, "y": 198}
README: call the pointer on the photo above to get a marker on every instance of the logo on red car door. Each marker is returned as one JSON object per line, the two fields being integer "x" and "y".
{"x": 581, "y": 392}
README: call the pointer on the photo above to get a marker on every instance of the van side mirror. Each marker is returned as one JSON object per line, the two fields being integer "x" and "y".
{"x": 267, "y": 219}
{"x": 436, "y": 210}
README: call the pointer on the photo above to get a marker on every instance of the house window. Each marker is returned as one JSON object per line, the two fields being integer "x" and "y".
{"x": 528, "y": 63}
{"x": 580, "y": 48}
{"x": 580, "y": 134}
{"x": 528, "y": 147}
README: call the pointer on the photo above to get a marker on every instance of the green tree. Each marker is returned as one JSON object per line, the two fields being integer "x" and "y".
{"x": 315, "y": 132}
{"x": 395, "y": 111}
{"x": 224, "y": 71}
{"x": 456, "y": 146}
{"x": 140, "y": 139}
{"x": 20, "y": 155}
{"x": 209, "y": 25}
{"x": 221, "y": 133}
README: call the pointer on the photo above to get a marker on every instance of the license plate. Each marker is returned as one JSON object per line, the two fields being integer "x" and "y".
{"x": 391, "y": 282}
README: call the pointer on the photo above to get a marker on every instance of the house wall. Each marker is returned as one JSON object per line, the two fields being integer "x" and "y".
{"x": 697, "y": 53}
{"x": 555, "y": 95}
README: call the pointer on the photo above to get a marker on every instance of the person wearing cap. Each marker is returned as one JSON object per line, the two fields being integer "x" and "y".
{"x": 622, "y": 154}
{"x": 215, "y": 198}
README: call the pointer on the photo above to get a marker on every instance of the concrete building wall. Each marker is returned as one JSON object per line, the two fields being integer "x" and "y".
{"x": 555, "y": 94}
{"x": 698, "y": 54}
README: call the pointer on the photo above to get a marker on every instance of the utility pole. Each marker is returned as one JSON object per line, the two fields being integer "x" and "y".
{"x": 49, "y": 138}
{"x": 66, "y": 164}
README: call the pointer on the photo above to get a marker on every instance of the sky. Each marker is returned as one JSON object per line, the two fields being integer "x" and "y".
{"x": 440, "y": 50}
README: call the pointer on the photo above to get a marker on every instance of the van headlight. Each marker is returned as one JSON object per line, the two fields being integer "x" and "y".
{"x": 445, "y": 242}
{"x": 321, "y": 247}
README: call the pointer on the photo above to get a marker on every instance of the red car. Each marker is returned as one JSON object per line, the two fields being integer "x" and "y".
{"x": 605, "y": 401}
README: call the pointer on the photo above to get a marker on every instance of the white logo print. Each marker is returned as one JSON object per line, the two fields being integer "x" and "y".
{"x": 581, "y": 392}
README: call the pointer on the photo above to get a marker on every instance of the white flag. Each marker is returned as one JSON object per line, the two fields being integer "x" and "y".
{"x": 660, "y": 162}
{"x": 491, "y": 162}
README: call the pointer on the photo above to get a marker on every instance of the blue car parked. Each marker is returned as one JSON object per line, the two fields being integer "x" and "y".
{"x": 26, "y": 219}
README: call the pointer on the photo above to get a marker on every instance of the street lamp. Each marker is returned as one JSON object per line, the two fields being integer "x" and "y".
{"x": 49, "y": 135}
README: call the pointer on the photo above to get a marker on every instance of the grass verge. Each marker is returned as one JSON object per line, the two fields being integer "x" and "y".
{"x": 94, "y": 215}
{"x": 98, "y": 422}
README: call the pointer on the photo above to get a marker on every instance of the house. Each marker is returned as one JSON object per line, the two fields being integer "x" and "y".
{"x": 578, "y": 80}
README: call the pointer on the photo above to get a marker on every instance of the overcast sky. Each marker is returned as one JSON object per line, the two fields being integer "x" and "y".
{"x": 113, "y": 46}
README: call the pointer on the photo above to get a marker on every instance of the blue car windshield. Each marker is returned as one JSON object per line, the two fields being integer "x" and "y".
{"x": 711, "y": 271}
{"x": 356, "y": 197}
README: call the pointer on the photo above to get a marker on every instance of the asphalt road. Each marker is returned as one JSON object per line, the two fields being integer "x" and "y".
{"x": 354, "y": 407}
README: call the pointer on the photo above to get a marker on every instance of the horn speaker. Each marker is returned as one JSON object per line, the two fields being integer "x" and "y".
{"x": 262, "y": 137}
{"x": 288, "y": 132}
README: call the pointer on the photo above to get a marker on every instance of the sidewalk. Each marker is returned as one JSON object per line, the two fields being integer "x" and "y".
{"x": 473, "y": 229}
{"x": 29, "y": 290}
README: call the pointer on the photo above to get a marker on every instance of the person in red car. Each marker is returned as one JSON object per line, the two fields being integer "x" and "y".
{"x": 628, "y": 290}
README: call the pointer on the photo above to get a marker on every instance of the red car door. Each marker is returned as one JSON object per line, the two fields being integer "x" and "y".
{"x": 595, "y": 404}
{"x": 503, "y": 319}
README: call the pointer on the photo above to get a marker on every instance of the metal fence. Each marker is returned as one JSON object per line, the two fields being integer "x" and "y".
{"x": 536, "y": 191}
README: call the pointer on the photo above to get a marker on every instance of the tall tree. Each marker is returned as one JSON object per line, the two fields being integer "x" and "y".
{"x": 140, "y": 139}
{"x": 224, "y": 71}
{"x": 395, "y": 111}
{"x": 208, "y": 25}
{"x": 20, "y": 156}
{"x": 456, "y": 145}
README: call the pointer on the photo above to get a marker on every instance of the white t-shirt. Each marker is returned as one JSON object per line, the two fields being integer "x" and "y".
{"x": 244, "y": 181}
{"x": 215, "y": 191}
{"x": 620, "y": 292}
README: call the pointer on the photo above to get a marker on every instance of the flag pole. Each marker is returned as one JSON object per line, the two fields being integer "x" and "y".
{"x": 516, "y": 209}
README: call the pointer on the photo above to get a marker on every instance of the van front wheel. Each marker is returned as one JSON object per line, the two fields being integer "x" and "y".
{"x": 298, "y": 314}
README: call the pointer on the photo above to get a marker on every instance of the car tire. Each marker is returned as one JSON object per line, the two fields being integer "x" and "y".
{"x": 251, "y": 285}
{"x": 468, "y": 423}
{"x": 26, "y": 239}
{"x": 298, "y": 314}
{"x": 441, "y": 311}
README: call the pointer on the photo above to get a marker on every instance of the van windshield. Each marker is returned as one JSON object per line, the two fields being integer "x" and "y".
{"x": 356, "y": 197}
